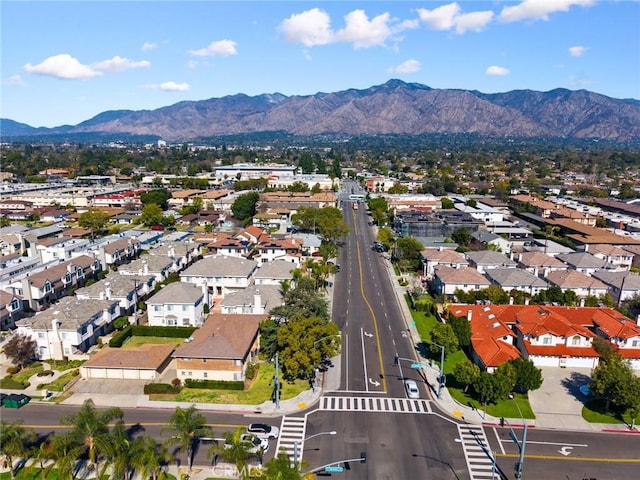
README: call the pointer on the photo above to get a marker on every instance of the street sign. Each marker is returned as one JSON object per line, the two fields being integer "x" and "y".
{"x": 333, "y": 469}
{"x": 418, "y": 365}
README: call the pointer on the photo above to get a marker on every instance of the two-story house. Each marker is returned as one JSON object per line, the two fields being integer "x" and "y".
{"x": 70, "y": 328}
{"x": 220, "y": 275}
{"x": 177, "y": 304}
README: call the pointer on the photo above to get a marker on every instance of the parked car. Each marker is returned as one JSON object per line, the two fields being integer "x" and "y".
{"x": 262, "y": 430}
{"x": 412, "y": 389}
{"x": 256, "y": 444}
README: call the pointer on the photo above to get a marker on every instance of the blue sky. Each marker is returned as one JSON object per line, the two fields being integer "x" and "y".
{"x": 64, "y": 62}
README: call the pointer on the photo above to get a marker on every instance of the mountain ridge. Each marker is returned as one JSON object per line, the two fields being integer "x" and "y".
{"x": 395, "y": 107}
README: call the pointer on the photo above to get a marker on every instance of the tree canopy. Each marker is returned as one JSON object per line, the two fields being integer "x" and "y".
{"x": 244, "y": 207}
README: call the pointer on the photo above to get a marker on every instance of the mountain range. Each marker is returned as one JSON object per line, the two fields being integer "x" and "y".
{"x": 395, "y": 107}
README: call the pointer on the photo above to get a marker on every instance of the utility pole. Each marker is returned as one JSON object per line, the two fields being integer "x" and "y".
{"x": 276, "y": 384}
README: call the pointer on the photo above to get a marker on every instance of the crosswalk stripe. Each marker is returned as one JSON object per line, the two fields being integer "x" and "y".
{"x": 477, "y": 452}
{"x": 375, "y": 404}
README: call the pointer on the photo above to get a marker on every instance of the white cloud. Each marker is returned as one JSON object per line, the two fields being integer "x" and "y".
{"x": 450, "y": 17}
{"x": 496, "y": 70}
{"x": 168, "y": 86}
{"x": 408, "y": 66}
{"x": 309, "y": 28}
{"x": 475, "y": 21}
{"x": 148, "y": 46}
{"x": 220, "y": 48}
{"x": 577, "y": 51}
{"x": 62, "y": 66}
{"x": 119, "y": 64}
{"x": 14, "y": 81}
{"x": 539, "y": 9}
{"x": 362, "y": 32}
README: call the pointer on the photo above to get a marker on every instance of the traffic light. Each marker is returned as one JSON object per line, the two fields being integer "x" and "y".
{"x": 502, "y": 421}
{"x": 363, "y": 457}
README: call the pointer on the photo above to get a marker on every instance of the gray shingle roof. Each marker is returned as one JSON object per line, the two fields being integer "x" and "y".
{"x": 278, "y": 269}
{"x": 514, "y": 277}
{"x": 177, "y": 293}
{"x": 221, "y": 266}
{"x": 70, "y": 312}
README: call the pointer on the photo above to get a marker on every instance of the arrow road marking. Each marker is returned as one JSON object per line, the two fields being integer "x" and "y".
{"x": 565, "y": 450}
{"x": 368, "y": 334}
{"x": 377, "y": 384}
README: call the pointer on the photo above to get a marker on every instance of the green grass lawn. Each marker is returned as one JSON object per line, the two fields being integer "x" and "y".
{"x": 258, "y": 392}
{"x": 138, "y": 341}
{"x": 20, "y": 380}
{"x": 594, "y": 411}
{"x": 59, "y": 383}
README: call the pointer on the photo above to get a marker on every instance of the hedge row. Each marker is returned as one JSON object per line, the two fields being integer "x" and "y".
{"x": 150, "y": 388}
{"x": 215, "y": 384}
{"x": 119, "y": 338}
{"x": 146, "y": 331}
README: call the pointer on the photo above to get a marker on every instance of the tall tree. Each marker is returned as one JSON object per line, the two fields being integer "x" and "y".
{"x": 281, "y": 467}
{"x": 158, "y": 196}
{"x": 443, "y": 335}
{"x": 151, "y": 215}
{"x": 244, "y": 206}
{"x": 94, "y": 219}
{"x": 466, "y": 373}
{"x": 528, "y": 376}
{"x": 90, "y": 428}
{"x": 234, "y": 450}
{"x": 65, "y": 451}
{"x": 149, "y": 457}
{"x": 185, "y": 427}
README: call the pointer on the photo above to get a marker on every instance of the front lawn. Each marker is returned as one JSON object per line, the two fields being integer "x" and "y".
{"x": 258, "y": 392}
{"x": 594, "y": 412}
{"x": 20, "y": 380}
{"x": 59, "y": 383}
{"x": 138, "y": 341}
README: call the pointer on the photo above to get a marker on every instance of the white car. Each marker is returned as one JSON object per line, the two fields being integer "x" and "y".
{"x": 255, "y": 444}
{"x": 412, "y": 389}
{"x": 262, "y": 430}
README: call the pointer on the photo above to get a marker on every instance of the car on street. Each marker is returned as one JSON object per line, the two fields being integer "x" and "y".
{"x": 412, "y": 389}
{"x": 262, "y": 430}
{"x": 255, "y": 445}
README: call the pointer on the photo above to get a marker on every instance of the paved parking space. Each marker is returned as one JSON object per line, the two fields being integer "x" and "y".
{"x": 558, "y": 403}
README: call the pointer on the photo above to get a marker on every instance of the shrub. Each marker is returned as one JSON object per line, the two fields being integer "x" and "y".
{"x": 176, "y": 382}
{"x": 160, "y": 331}
{"x": 45, "y": 373}
{"x": 13, "y": 370}
{"x": 150, "y": 388}
{"x": 119, "y": 338}
{"x": 120, "y": 323}
{"x": 215, "y": 384}
{"x": 252, "y": 371}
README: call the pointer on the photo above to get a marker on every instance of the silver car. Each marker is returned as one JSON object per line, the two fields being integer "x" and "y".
{"x": 412, "y": 389}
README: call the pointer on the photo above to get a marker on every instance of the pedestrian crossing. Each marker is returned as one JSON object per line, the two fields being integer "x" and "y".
{"x": 292, "y": 430}
{"x": 480, "y": 459}
{"x": 375, "y": 404}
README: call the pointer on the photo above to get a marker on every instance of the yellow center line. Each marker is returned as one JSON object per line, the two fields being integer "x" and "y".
{"x": 373, "y": 315}
{"x": 575, "y": 459}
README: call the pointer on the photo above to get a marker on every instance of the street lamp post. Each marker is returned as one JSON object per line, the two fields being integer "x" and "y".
{"x": 441, "y": 377}
{"x": 522, "y": 443}
{"x": 297, "y": 442}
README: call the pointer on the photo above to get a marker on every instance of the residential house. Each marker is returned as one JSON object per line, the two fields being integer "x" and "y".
{"x": 252, "y": 234}
{"x": 182, "y": 253}
{"x": 310, "y": 242}
{"x": 288, "y": 249}
{"x": 229, "y": 246}
{"x": 253, "y": 300}
{"x": 492, "y": 341}
{"x": 447, "y": 280}
{"x": 273, "y": 273}
{"x": 71, "y": 328}
{"x": 158, "y": 266}
{"x": 40, "y": 288}
{"x": 220, "y": 274}
{"x": 128, "y": 290}
{"x": 583, "y": 285}
{"x": 178, "y": 304}
{"x": 483, "y": 260}
{"x": 516, "y": 279}
{"x": 221, "y": 349}
{"x": 612, "y": 254}
{"x": 60, "y": 248}
{"x": 118, "y": 252}
{"x": 622, "y": 285}
{"x": 539, "y": 263}
{"x": 431, "y": 258}
{"x": 11, "y": 309}
{"x": 585, "y": 263}
{"x": 492, "y": 240}
{"x": 622, "y": 332}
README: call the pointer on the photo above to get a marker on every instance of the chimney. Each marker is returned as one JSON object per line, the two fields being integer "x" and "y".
{"x": 638, "y": 319}
{"x": 581, "y": 304}
{"x": 535, "y": 271}
{"x": 145, "y": 267}
{"x": 257, "y": 304}
{"x": 469, "y": 315}
{"x": 107, "y": 290}
{"x": 510, "y": 300}
{"x": 526, "y": 301}
{"x": 172, "y": 251}
{"x": 545, "y": 272}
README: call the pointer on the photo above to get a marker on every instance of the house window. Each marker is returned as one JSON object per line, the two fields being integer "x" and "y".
{"x": 546, "y": 341}
{"x": 635, "y": 343}
{"x": 47, "y": 287}
{"x": 575, "y": 340}
{"x": 185, "y": 308}
{"x": 157, "y": 308}
{"x": 80, "y": 273}
{"x": 15, "y": 304}
{"x": 205, "y": 375}
{"x": 185, "y": 322}
{"x": 169, "y": 308}
{"x": 40, "y": 334}
{"x": 171, "y": 322}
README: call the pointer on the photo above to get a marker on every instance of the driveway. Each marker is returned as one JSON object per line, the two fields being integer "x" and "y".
{"x": 558, "y": 403}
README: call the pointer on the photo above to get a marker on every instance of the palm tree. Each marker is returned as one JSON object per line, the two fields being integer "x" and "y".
{"x": 185, "y": 427}
{"x": 118, "y": 453}
{"x": 42, "y": 453}
{"x": 14, "y": 441}
{"x": 91, "y": 430}
{"x": 148, "y": 458}
{"x": 282, "y": 468}
{"x": 64, "y": 451}
{"x": 234, "y": 450}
